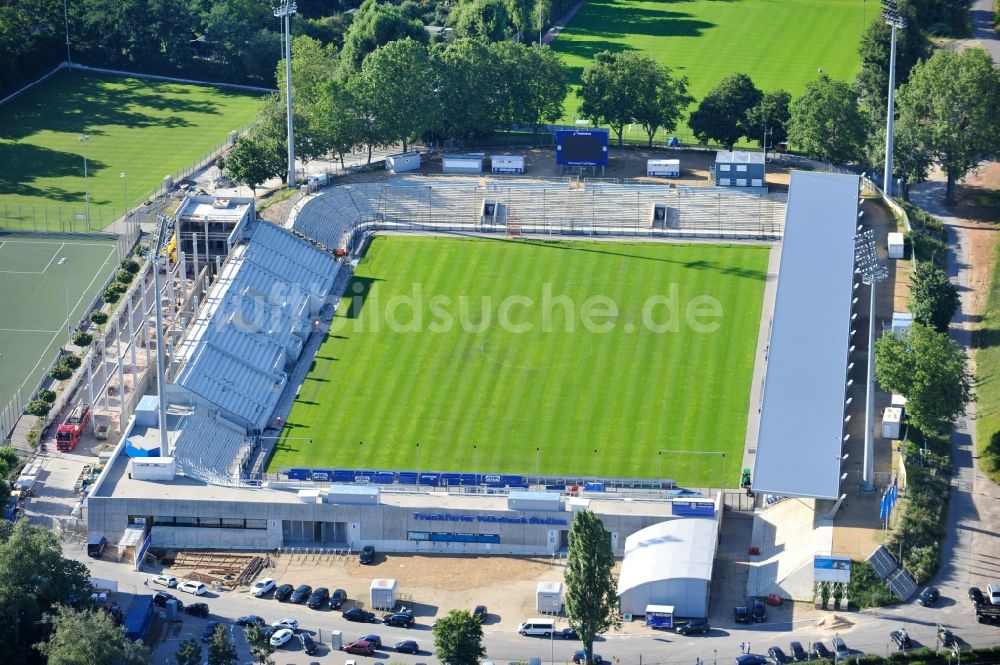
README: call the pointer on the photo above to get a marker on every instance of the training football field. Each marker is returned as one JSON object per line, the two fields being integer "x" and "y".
{"x": 778, "y": 43}
{"x": 500, "y": 356}
{"x": 140, "y": 128}
{"x": 41, "y": 279}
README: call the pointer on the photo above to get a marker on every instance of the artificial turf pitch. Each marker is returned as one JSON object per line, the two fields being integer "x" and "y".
{"x": 778, "y": 43}
{"x": 144, "y": 129}
{"x": 412, "y": 359}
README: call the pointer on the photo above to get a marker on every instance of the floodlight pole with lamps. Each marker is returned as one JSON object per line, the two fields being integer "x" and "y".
{"x": 872, "y": 272}
{"x": 66, "y": 25}
{"x": 284, "y": 10}
{"x": 69, "y": 327}
{"x": 890, "y": 13}
{"x": 124, "y": 198}
{"x": 86, "y": 180}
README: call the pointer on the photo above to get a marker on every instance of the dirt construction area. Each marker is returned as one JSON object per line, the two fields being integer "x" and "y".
{"x": 431, "y": 586}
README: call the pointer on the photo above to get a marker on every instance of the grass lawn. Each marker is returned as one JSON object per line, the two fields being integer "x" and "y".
{"x": 145, "y": 129}
{"x": 987, "y": 342}
{"x": 778, "y": 43}
{"x": 34, "y": 289}
{"x": 478, "y": 351}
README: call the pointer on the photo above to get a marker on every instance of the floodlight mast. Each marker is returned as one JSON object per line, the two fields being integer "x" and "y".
{"x": 890, "y": 14}
{"x": 284, "y": 10}
{"x": 163, "y": 230}
{"x": 872, "y": 272}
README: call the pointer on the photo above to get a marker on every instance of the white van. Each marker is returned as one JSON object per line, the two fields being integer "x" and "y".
{"x": 537, "y": 627}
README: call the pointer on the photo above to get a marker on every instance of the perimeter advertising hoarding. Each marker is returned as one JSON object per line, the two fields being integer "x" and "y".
{"x": 582, "y": 148}
{"x": 831, "y": 568}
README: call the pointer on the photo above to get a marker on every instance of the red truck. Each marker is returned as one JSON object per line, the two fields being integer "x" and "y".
{"x": 68, "y": 434}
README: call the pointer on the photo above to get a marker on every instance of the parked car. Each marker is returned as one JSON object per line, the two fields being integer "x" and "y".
{"x": 260, "y": 587}
{"x": 197, "y": 609}
{"x": 759, "y": 611}
{"x": 301, "y": 594}
{"x": 374, "y": 639}
{"x": 580, "y": 656}
{"x": 250, "y": 620}
{"x": 976, "y": 596}
{"x": 286, "y": 623}
{"x": 337, "y": 598}
{"x": 692, "y": 627}
{"x": 741, "y": 614}
{"x": 778, "y": 656}
{"x": 840, "y": 648}
{"x": 360, "y": 648}
{"x": 751, "y": 659}
{"x": 367, "y": 556}
{"x": 479, "y": 612}
{"x": 318, "y": 598}
{"x": 993, "y": 592}
{"x": 161, "y": 597}
{"x": 283, "y": 593}
{"x": 407, "y": 646}
{"x": 168, "y": 581}
{"x": 281, "y": 637}
{"x": 945, "y": 636}
{"x": 568, "y": 634}
{"x": 209, "y": 631}
{"x": 404, "y": 619}
{"x": 308, "y": 643}
{"x": 820, "y": 651}
{"x": 359, "y": 615}
{"x": 798, "y": 653}
{"x": 901, "y": 639}
{"x": 191, "y": 586}
{"x": 929, "y": 596}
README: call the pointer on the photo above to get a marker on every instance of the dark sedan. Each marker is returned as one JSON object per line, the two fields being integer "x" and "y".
{"x": 407, "y": 646}
{"x": 778, "y": 656}
{"x": 976, "y": 596}
{"x": 580, "y": 656}
{"x": 301, "y": 594}
{"x": 568, "y": 634}
{"x": 318, "y": 598}
{"x": 901, "y": 639}
{"x": 759, "y": 611}
{"x": 798, "y": 653}
{"x": 820, "y": 651}
{"x": 283, "y": 593}
{"x": 338, "y": 598}
{"x": 308, "y": 643}
{"x": 250, "y": 620}
{"x": 929, "y": 596}
{"x": 693, "y": 627}
{"x": 197, "y": 609}
{"x": 359, "y": 615}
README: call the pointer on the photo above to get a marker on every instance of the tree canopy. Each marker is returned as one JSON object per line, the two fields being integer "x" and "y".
{"x": 948, "y": 111}
{"x": 722, "y": 115}
{"x": 188, "y": 653}
{"x": 933, "y": 298}
{"x": 458, "y": 639}
{"x": 376, "y": 24}
{"x": 591, "y": 591}
{"x": 770, "y": 115}
{"x": 90, "y": 637}
{"x": 825, "y": 122}
{"x": 929, "y": 369}
{"x": 221, "y": 650}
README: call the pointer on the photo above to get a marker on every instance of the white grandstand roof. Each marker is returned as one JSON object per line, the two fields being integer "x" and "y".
{"x": 676, "y": 549}
{"x": 253, "y": 321}
{"x": 802, "y": 414}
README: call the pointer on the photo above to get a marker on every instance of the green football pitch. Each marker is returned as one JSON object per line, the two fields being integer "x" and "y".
{"x": 37, "y": 290}
{"x": 499, "y": 356}
{"x": 778, "y": 43}
{"x": 144, "y": 129}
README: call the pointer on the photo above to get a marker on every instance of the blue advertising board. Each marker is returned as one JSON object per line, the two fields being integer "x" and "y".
{"x": 582, "y": 147}
{"x": 693, "y": 508}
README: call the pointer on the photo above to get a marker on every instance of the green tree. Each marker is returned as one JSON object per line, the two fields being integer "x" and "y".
{"x": 483, "y": 19}
{"x": 90, "y": 637}
{"x": 949, "y": 107}
{"x": 8, "y": 462}
{"x": 662, "y": 103}
{"x": 34, "y": 576}
{"x": 721, "y": 115}
{"x": 240, "y": 34}
{"x": 376, "y": 24}
{"x": 252, "y": 161}
{"x": 531, "y": 85}
{"x": 825, "y": 122}
{"x": 334, "y": 123}
{"x": 188, "y": 653}
{"x": 933, "y": 298}
{"x": 466, "y": 90}
{"x": 770, "y": 115}
{"x": 260, "y": 645}
{"x": 617, "y": 86}
{"x": 591, "y": 592}
{"x": 396, "y": 81}
{"x": 458, "y": 639}
{"x": 221, "y": 650}
{"x": 929, "y": 369}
